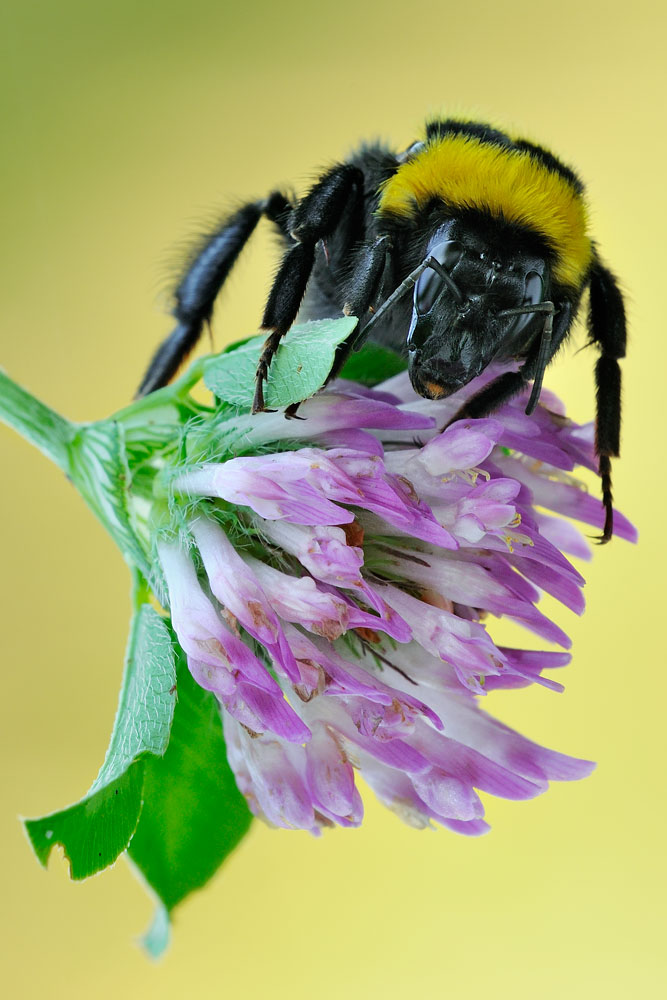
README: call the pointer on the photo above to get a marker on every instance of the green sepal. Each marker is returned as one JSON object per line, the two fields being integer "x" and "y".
{"x": 373, "y": 364}
{"x": 193, "y": 814}
{"x": 301, "y": 366}
{"x": 94, "y": 831}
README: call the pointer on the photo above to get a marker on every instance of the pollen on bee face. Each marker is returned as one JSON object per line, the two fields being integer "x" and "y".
{"x": 434, "y": 390}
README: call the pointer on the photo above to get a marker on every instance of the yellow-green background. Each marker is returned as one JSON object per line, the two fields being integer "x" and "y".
{"x": 127, "y": 125}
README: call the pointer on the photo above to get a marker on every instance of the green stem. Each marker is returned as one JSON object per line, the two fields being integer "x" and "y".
{"x": 36, "y": 422}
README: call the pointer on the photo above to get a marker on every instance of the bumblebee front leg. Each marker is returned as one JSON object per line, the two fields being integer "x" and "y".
{"x": 363, "y": 289}
{"x": 316, "y": 217}
{"x": 368, "y": 272}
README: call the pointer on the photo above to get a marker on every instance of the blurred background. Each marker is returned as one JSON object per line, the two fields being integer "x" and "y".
{"x": 129, "y": 125}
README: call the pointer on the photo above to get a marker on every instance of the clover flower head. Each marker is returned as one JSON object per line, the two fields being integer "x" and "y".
{"x": 313, "y": 601}
{"x": 342, "y": 619}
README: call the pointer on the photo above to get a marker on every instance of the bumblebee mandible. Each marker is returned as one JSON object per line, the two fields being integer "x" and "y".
{"x": 469, "y": 247}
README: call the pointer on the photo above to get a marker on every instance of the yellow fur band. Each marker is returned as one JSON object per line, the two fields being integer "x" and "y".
{"x": 468, "y": 173}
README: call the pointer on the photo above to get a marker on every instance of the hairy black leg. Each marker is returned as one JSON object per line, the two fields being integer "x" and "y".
{"x": 365, "y": 281}
{"x": 280, "y": 311}
{"x": 544, "y": 352}
{"x": 606, "y": 325}
{"x": 363, "y": 288}
{"x": 199, "y": 286}
{"x": 551, "y": 337}
{"x": 492, "y": 396}
{"x": 318, "y": 214}
{"x": 510, "y": 384}
{"x": 314, "y": 219}
{"x": 278, "y": 209}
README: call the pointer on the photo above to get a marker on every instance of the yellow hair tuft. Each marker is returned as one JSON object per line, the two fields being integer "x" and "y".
{"x": 468, "y": 173}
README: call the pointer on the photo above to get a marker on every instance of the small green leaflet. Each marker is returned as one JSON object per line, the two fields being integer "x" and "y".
{"x": 301, "y": 366}
{"x": 193, "y": 815}
{"x": 94, "y": 831}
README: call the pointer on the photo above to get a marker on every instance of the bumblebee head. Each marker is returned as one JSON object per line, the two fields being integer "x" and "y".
{"x": 473, "y": 273}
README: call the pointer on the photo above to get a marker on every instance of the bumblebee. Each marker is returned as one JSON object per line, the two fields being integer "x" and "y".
{"x": 472, "y": 246}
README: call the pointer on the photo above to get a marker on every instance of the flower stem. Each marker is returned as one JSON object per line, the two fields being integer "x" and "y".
{"x": 36, "y": 422}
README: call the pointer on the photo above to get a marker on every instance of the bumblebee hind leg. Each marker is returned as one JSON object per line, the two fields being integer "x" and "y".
{"x": 606, "y": 326}
{"x": 198, "y": 288}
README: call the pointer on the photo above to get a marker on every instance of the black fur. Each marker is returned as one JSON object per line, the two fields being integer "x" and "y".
{"x": 492, "y": 396}
{"x": 477, "y": 130}
{"x": 366, "y": 279}
{"x": 289, "y": 287}
{"x": 321, "y": 211}
{"x": 502, "y": 389}
{"x": 336, "y": 196}
{"x": 548, "y": 160}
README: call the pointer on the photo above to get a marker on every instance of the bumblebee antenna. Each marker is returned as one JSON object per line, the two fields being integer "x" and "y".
{"x": 397, "y": 294}
{"x": 405, "y": 286}
{"x": 447, "y": 278}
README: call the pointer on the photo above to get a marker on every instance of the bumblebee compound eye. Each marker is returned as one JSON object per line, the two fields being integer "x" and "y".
{"x": 432, "y": 282}
{"x": 419, "y": 332}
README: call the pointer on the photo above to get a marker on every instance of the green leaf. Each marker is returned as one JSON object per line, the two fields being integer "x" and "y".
{"x": 147, "y": 697}
{"x": 373, "y": 364}
{"x": 36, "y": 422}
{"x": 94, "y": 831}
{"x": 193, "y": 814}
{"x": 301, "y": 366}
{"x": 100, "y": 472}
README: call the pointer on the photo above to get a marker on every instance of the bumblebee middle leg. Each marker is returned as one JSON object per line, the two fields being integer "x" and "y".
{"x": 315, "y": 218}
